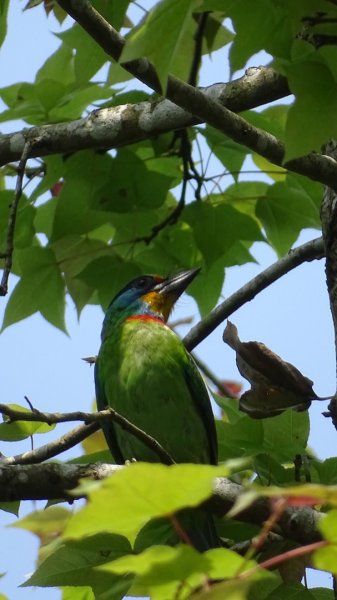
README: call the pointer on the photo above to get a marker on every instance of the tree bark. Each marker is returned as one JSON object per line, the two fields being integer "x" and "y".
{"x": 50, "y": 481}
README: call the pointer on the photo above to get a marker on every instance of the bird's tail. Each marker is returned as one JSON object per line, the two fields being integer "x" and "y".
{"x": 199, "y": 529}
{"x": 193, "y": 526}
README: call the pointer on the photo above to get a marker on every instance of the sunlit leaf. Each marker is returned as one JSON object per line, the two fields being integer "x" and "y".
{"x": 157, "y": 491}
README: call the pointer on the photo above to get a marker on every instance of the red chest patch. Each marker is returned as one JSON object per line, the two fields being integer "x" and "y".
{"x": 146, "y": 318}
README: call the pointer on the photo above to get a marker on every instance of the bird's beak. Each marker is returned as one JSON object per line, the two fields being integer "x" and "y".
{"x": 176, "y": 285}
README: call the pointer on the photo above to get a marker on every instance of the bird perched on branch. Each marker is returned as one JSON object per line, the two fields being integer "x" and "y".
{"x": 145, "y": 373}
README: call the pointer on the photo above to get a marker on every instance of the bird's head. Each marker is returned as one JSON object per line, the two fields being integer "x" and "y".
{"x": 150, "y": 295}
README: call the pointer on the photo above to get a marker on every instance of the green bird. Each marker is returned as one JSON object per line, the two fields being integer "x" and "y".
{"x": 145, "y": 373}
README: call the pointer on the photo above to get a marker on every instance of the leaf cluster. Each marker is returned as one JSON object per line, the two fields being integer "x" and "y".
{"x": 91, "y": 220}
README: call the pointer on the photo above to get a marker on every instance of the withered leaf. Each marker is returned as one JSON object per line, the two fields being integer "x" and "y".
{"x": 275, "y": 384}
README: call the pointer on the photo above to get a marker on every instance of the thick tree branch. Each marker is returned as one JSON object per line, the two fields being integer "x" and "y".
{"x": 129, "y": 123}
{"x": 52, "y": 480}
{"x": 314, "y": 166}
{"x": 310, "y": 251}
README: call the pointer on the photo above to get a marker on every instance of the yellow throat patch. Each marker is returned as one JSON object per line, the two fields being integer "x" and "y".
{"x": 161, "y": 304}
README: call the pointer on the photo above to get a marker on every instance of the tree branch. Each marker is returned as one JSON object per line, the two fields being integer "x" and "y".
{"x": 52, "y": 449}
{"x": 197, "y": 54}
{"x": 314, "y": 166}
{"x": 310, "y": 251}
{"x": 53, "y": 480}
{"x": 96, "y": 417}
{"x": 129, "y": 123}
{"x": 8, "y": 254}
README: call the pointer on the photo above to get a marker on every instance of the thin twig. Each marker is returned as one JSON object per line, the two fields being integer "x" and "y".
{"x": 198, "y": 39}
{"x": 220, "y": 385}
{"x": 172, "y": 218}
{"x": 274, "y": 561}
{"x": 12, "y": 220}
{"x": 267, "y": 527}
{"x": 312, "y": 250}
{"x": 180, "y": 531}
{"x": 103, "y": 415}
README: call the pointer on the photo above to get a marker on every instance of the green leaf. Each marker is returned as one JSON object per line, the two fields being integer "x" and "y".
{"x": 108, "y": 275}
{"x": 269, "y": 18}
{"x": 59, "y": 66}
{"x": 13, "y": 431}
{"x": 73, "y": 562}
{"x": 327, "y": 470}
{"x": 159, "y": 37}
{"x": 230, "y": 154}
{"x": 216, "y": 35}
{"x": 328, "y": 527}
{"x": 3, "y": 20}
{"x": 326, "y": 558}
{"x": 272, "y": 119}
{"x": 161, "y": 570}
{"x": 44, "y": 217}
{"x": 134, "y": 184}
{"x": 43, "y": 522}
{"x": 178, "y": 241}
{"x": 103, "y": 456}
{"x": 23, "y": 102}
{"x": 113, "y": 509}
{"x": 329, "y": 56}
{"x": 244, "y": 195}
{"x": 273, "y": 171}
{"x": 218, "y": 226}
{"x": 76, "y": 100}
{"x": 54, "y": 170}
{"x": 243, "y": 438}
{"x": 24, "y": 226}
{"x": 286, "y": 435}
{"x": 261, "y": 589}
{"x": 293, "y": 591}
{"x": 206, "y": 288}
{"x": 114, "y": 12}
{"x": 41, "y": 288}
{"x": 270, "y": 471}
{"x": 289, "y": 207}
{"x": 10, "y": 507}
{"x": 48, "y": 93}
{"x": 77, "y": 593}
{"x": 314, "y": 86}
{"x": 89, "y": 57}
{"x": 320, "y": 593}
{"x": 73, "y": 253}
{"x": 85, "y": 174}
{"x": 279, "y": 437}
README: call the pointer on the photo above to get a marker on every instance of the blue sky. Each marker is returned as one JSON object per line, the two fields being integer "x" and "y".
{"x": 291, "y": 317}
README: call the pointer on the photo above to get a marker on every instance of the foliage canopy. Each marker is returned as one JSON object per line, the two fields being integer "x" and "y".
{"x": 166, "y": 197}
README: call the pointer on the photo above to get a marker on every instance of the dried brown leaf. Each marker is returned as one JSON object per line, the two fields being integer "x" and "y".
{"x": 276, "y": 384}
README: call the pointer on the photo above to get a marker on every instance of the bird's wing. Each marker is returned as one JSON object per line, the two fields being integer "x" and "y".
{"x": 199, "y": 394}
{"x": 108, "y": 427}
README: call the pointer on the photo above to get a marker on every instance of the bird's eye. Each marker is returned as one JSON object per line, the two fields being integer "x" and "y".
{"x": 142, "y": 282}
